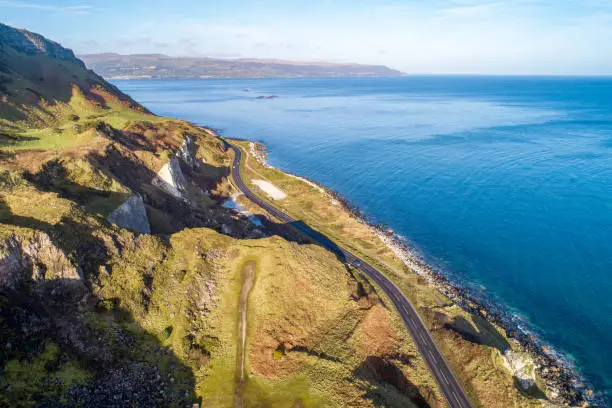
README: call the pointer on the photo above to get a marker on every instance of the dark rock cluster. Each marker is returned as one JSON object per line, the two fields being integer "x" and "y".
{"x": 137, "y": 385}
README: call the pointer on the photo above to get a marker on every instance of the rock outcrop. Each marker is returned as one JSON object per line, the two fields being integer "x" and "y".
{"x": 521, "y": 368}
{"x": 187, "y": 152}
{"x": 171, "y": 178}
{"x": 36, "y": 259}
{"x": 132, "y": 215}
{"x": 35, "y": 44}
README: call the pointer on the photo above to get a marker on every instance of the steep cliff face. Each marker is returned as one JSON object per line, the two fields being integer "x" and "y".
{"x": 43, "y": 84}
{"x": 35, "y": 44}
{"x": 188, "y": 152}
{"x": 132, "y": 214}
{"x": 171, "y": 178}
{"x": 34, "y": 260}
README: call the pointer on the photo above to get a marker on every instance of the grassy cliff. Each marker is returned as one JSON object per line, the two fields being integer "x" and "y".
{"x": 121, "y": 270}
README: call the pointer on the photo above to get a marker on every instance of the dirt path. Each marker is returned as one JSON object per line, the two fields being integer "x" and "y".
{"x": 240, "y": 379}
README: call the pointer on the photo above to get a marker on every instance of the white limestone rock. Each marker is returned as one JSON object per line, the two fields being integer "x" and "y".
{"x": 521, "y": 368}
{"x": 171, "y": 179}
{"x": 187, "y": 152}
{"x": 132, "y": 215}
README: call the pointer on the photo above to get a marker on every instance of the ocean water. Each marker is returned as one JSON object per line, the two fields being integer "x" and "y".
{"x": 504, "y": 182}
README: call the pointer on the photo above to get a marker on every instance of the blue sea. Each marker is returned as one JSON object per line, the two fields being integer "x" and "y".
{"x": 503, "y": 182}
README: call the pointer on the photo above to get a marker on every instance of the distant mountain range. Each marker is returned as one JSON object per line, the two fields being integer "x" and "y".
{"x": 144, "y": 66}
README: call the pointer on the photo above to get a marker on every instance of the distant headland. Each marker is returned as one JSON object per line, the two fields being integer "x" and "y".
{"x": 147, "y": 66}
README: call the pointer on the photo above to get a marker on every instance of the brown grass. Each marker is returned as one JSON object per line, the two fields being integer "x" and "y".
{"x": 377, "y": 335}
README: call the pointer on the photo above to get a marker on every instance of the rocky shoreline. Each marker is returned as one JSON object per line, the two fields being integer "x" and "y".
{"x": 564, "y": 385}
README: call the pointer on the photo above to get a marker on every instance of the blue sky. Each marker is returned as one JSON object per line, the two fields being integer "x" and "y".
{"x": 425, "y": 36}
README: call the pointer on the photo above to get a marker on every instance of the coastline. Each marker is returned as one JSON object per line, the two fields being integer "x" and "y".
{"x": 562, "y": 381}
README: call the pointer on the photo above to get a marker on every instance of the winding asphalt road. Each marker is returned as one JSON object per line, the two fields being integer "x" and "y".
{"x": 452, "y": 390}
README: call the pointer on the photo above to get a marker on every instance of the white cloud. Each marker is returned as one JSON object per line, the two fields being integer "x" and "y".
{"x": 77, "y": 9}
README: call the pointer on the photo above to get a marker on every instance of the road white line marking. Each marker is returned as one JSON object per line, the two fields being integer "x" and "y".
{"x": 444, "y": 377}
{"x": 457, "y": 398}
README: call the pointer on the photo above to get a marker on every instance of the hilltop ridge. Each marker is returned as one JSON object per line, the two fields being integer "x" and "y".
{"x": 143, "y": 66}
{"x": 43, "y": 84}
{"x": 35, "y": 44}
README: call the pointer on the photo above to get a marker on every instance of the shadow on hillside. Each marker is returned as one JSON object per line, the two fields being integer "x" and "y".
{"x": 31, "y": 79}
{"x": 167, "y": 214}
{"x": 8, "y": 139}
{"x": 131, "y": 140}
{"x": 300, "y": 232}
{"x": 52, "y": 79}
{"x": 72, "y": 237}
{"x": 389, "y": 386}
{"x": 53, "y": 177}
{"x": 480, "y": 332}
{"x": 127, "y": 367}
{"x": 207, "y": 176}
